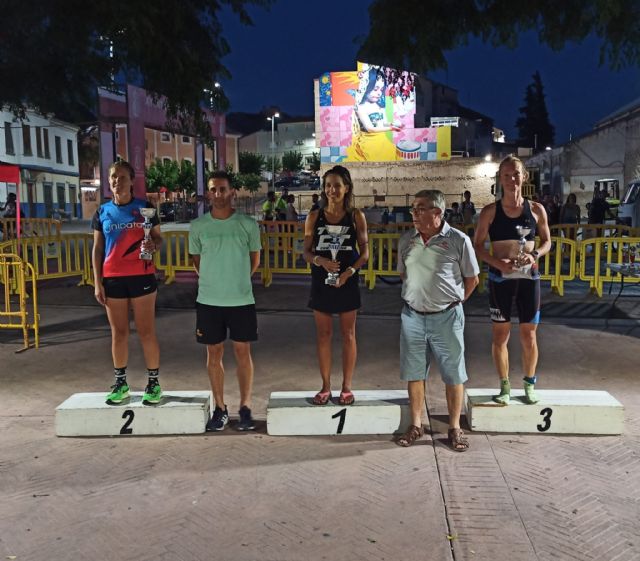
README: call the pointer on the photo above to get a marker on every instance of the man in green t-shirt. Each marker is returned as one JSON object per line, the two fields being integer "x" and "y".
{"x": 225, "y": 247}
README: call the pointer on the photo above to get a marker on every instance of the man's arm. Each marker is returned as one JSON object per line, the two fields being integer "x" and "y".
{"x": 470, "y": 284}
{"x": 196, "y": 263}
{"x": 255, "y": 261}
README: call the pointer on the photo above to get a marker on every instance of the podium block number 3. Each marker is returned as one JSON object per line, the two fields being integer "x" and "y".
{"x": 128, "y": 415}
{"x": 546, "y": 419}
{"x": 342, "y": 415}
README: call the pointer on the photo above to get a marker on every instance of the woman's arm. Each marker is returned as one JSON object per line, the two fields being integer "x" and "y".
{"x": 97, "y": 257}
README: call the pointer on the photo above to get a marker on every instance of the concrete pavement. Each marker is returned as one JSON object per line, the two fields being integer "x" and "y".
{"x": 234, "y": 496}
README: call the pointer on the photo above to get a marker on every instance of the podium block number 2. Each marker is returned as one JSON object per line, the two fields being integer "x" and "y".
{"x": 546, "y": 419}
{"x": 128, "y": 415}
{"x": 342, "y": 415}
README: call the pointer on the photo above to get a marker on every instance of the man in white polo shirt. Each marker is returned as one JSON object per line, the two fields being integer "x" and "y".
{"x": 439, "y": 270}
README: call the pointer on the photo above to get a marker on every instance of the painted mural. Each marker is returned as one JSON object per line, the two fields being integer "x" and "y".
{"x": 369, "y": 115}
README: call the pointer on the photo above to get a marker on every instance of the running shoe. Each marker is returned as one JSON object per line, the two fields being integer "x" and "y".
{"x": 219, "y": 419}
{"x": 119, "y": 392}
{"x": 152, "y": 393}
{"x": 246, "y": 420}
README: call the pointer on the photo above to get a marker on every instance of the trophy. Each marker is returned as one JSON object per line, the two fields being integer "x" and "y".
{"x": 335, "y": 243}
{"x": 148, "y": 214}
{"x": 524, "y": 268}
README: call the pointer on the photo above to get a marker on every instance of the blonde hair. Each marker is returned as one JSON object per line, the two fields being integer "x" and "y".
{"x": 511, "y": 159}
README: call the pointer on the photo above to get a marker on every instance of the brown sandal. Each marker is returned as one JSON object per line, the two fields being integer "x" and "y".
{"x": 409, "y": 437}
{"x": 457, "y": 440}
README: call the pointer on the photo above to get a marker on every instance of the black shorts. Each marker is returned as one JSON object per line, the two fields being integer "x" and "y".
{"x": 526, "y": 294}
{"x": 129, "y": 287}
{"x": 212, "y": 323}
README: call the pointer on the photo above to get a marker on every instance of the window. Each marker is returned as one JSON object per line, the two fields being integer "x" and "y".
{"x": 186, "y": 140}
{"x": 206, "y": 165}
{"x": 165, "y": 137}
{"x": 39, "y": 142}
{"x": 45, "y": 137}
{"x": 26, "y": 140}
{"x": 58, "y": 141}
{"x": 166, "y": 160}
{"x": 117, "y": 135}
{"x": 8, "y": 139}
{"x": 187, "y": 160}
{"x": 70, "y": 152}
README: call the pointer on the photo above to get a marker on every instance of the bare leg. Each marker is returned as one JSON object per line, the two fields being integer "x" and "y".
{"x": 349, "y": 348}
{"x": 215, "y": 370}
{"x": 144, "y": 314}
{"x": 529, "y": 343}
{"x": 118, "y": 314}
{"x": 455, "y": 397}
{"x": 244, "y": 371}
{"x": 416, "y": 401}
{"x": 324, "y": 333}
{"x": 499, "y": 348}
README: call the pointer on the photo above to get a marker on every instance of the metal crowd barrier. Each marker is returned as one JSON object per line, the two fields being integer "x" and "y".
{"x": 597, "y": 253}
{"x": 14, "y": 273}
{"x": 29, "y": 227}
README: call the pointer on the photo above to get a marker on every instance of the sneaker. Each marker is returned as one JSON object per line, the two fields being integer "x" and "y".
{"x": 246, "y": 420}
{"x": 152, "y": 393}
{"x": 505, "y": 392}
{"x": 219, "y": 419}
{"x": 530, "y": 395}
{"x": 119, "y": 392}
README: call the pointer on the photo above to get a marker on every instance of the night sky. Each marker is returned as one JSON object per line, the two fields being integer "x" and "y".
{"x": 275, "y": 61}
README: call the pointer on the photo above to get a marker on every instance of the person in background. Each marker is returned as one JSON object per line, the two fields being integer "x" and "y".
{"x": 467, "y": 208}
{"x": 123, "y": 281}
{"x": 343, "y": 297}
{"x": 292, "y": 213}
{"x": 570, "y": 214}
{"x": 269, "y": 207}
{"x": 315, "y": 205}
{"x": 281, "y": 205}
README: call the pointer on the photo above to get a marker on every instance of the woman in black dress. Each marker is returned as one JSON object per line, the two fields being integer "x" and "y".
{"x": 337, "y": 226}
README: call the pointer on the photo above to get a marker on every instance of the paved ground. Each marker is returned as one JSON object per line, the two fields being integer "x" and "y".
{"x": 236, "y": 497}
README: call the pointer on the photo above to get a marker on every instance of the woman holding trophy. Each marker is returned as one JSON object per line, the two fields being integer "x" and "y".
{"x": 512, "y": 224}
{"x": 126, "y": 234}
{"x": 336, "y": 246}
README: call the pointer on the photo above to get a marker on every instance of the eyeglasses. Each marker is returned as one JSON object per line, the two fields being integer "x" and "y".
{"x": 418, "y": 210}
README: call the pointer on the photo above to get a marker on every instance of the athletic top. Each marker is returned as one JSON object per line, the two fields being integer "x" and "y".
{"x": 225, "y": 265}
{"x": 504, "y": 228}
{"x": 121, "y": 226}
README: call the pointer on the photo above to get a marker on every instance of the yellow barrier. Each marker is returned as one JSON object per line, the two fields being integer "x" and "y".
{"x": 30, "y": 227}
{"x": 14, "y": 273}
{"x": 51, "y": 257}
{"x": 588, "y": 231}
{"x": 596, "y": 253}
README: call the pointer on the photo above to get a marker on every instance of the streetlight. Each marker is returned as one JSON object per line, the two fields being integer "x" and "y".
{"x": 273, "y": 148}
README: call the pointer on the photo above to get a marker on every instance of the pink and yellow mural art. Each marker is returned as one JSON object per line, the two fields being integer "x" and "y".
{"x": 368, "y": 115}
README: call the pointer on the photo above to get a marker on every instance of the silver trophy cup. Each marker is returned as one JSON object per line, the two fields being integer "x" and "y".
{"x": 148, "y": 214}
{"x": 334, "y": 245}
{"x": 523, "y": 232}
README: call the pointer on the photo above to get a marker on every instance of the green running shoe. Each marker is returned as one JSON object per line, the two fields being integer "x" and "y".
{"x": 530, "y": 396}
{"x": 152, "y": 393}
{"x": 505, "y": 392}
{"x": 119, "y": 392}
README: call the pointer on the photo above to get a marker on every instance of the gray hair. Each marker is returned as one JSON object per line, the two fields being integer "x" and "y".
{"x": 435, "y": 196}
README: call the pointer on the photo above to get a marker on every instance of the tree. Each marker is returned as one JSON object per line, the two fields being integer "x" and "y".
{"x": 292, "y": 161}
{"x": 533, "y": 125}
{"x": 400, "y": 35}
{"x": 248, "y": 181}
{"x": 187, "y": 176}
{"x": 162, "y": 174}
{"x": 58, "y": 53}
{"x": 273, "y": 163}
{"x": 314, "y": 165}
{"x": 249, "y": 162}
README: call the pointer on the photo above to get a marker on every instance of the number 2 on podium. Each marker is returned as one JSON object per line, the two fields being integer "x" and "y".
{"x": 128, "y": 415}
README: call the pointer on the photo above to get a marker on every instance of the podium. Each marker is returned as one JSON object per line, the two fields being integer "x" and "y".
{"x": 374, "y": 412}
{"x": 557, "y": 412}
{"x": 87, "y": 414}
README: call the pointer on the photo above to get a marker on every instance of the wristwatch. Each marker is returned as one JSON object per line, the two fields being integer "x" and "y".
{"x": 535, "y": 254}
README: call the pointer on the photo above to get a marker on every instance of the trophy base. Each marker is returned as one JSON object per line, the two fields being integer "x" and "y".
{"x": 146, "y": 256}
{"x": 331, "y": 280}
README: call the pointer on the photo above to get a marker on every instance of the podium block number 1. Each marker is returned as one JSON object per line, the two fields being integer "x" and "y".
{"x": 342, "y": 415}
{"x": 128, "y": 415}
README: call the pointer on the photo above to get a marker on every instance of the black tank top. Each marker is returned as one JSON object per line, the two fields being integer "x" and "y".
{"x": 347, "y": 255}
{"x": 504, "y": 228}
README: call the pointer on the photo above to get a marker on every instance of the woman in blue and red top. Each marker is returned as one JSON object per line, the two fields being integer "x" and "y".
{"x": 124, "y": 281}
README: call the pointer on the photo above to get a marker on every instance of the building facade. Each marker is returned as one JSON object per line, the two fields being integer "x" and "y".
{"x": 45, "y": 150}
